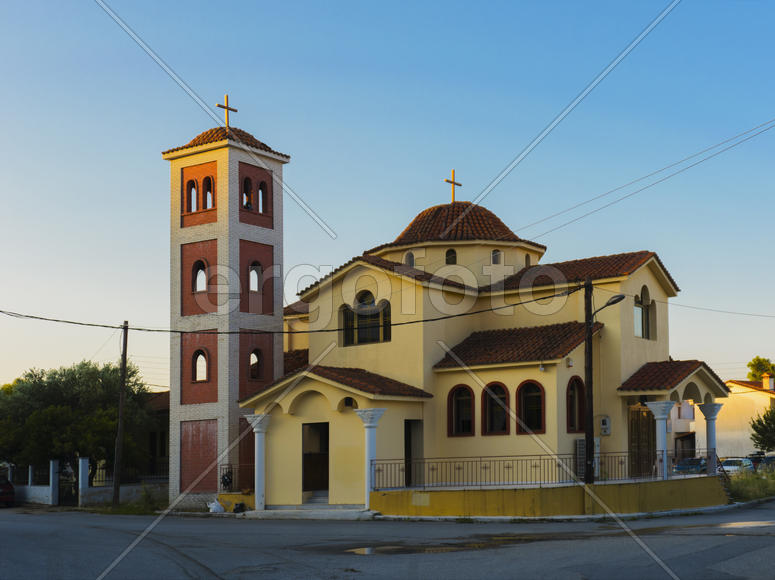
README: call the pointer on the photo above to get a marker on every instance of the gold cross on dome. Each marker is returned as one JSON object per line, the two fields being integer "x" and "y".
{"x": 226, "y": 108}
{"x": 453, "y": 183}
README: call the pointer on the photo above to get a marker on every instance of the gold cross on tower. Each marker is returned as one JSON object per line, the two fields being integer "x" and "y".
{"x": 454, "y": 183}
{"x": 226, "y": 108}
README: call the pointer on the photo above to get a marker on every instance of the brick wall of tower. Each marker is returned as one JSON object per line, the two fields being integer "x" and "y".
{"x": 261, "y": 302}
{"x": 192, "y": 302}
{"x": 193, "y": 391}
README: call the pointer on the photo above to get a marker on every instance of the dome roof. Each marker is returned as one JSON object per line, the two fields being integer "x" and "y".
{"x": 457, "y": 221}
{"x": 222, "y": 134}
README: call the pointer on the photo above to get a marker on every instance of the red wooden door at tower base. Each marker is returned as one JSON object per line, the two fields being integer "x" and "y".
{"x": 247, "y": 451}
{"x": 198, "y": 453}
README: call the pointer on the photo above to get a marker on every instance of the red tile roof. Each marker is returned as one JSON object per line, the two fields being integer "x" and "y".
{"x": 664, "y": 375}
{"x": 756, "y": 385}
{"x": 220, "y": 134}
{"x": 596, "y": 268}
{"x": 356, "y": 378}
{"x": 294, "y": 360}
{"x": 297, "y": 307}
{"x": 513, "y": 345}
{"x": 398, "y": 268}
{"x": 467, "y": 221}
{"x": 159, "y": 401}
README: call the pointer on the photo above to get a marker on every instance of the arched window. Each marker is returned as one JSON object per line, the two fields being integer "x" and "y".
{"x": 409, "y": 259}
{"x": 367, "y": 322}
{"x": 451, "y": 256}
{"x": 575, "y": 405}
{"x": 263, "y": 198}
{"x": 191, "y": 196}
{"x": 256, "y": 365}
{"x": 642, "y": 315}
{"x": 530, "y": 408}
{"x": 527, "y": 260}
{"x": 200, "y": 366}
{"x": 495, "y": 410}
{"x": 254, "y": 277}
{"x": 496, "y": 257}
{"x": 207, "y": 187}
{"x": 200, "y": 277}
{"x": 460, "y": 411}
{"x": 247, "y": 193}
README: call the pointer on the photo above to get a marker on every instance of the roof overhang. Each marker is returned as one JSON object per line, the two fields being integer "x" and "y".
{"x": 702, "y": 377}
{"x": 388, "y": 248}
{"x": 177, "y": 154}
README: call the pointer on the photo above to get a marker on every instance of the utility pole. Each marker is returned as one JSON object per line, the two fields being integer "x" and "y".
{"x": 120, "y": 430}
{"x": 589, "y": 414}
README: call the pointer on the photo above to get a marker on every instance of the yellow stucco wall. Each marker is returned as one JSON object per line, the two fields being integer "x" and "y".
{"x": 733, "y": 426}
{"x": 624, "y": 498}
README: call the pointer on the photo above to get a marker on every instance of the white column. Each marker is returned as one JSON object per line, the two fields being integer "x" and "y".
{"x": 661, "y": 410}
{"x": 370, "y": 418}
{"x": 83, "y": 478}
{"x": 710, "y": 410}
{"x": 29, "y": 475}
{"x": 260, "y": 423}
{"x": 53, "y": 482}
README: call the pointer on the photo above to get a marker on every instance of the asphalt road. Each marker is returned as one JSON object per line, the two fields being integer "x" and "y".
{"x": 36, "y": 543}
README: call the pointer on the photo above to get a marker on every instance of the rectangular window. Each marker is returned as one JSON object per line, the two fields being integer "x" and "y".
{"x": 368, "y": 327}
{"x": 638, "y": 321}
{"x": 348, "y": 323}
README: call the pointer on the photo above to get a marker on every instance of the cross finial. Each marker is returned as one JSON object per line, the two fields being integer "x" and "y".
{"x": 225, "y": 106}
{"x": 453, "y": 183}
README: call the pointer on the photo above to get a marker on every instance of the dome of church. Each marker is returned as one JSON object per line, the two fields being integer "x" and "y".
{"x": 221, "y": 134}
{"x": 464, "y": 220}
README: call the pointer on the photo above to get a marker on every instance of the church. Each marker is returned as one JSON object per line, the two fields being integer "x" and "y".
{"x": 451, "y": 356}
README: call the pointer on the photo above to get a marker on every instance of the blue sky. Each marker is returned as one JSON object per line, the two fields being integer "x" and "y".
{"x": 376, "y": 103}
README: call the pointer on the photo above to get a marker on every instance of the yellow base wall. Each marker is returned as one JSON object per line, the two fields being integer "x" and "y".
{"x": 623, "y": 498}
{"x": 228, "y": 500}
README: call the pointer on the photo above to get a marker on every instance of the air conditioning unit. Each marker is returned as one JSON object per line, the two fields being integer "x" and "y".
{"x": 581, "y": 457}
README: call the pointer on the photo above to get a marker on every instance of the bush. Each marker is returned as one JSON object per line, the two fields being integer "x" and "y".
{"x": 748, "y": 485}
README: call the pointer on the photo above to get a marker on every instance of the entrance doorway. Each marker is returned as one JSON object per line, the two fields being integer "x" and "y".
{"x": 314, "y": 449}
{"x": 413, "y": 452}
{"x": 643, "y": 441}
{"x": 685, "y": 445}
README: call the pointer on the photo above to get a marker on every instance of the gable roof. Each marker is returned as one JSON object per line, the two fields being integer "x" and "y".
{"x": 514, "y": 345}
{"x": 755, "y": 385}
{"x": 464, "y": 220}
{"x": 596, "y": 268}
{"x": 293, "y": 360}
{"x": 665, "y": 375}
{"x": 355, "y": 378}
{"x": 396, "y": 268}
{"x": 222, "y": 134}
{"x": 298, "y": 307}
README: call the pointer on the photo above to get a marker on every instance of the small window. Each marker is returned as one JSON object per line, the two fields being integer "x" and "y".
{"x": 256, "y": 365}
{"x": 367, "y": 323}
{"x": 530, "y": 404}
{"x": 191, "y": 196}
{"x": 642, "y": 314}
{"x": 200, "y": 277}
{"x": 348, "y": 325}
{"x": 200, "y": 366}
{"x": 409, "y": 259}
{"x": 254, "y": 277}
{"x": 460, "y": 411}
{"x": 495, "y": 402}
{"x": 496, "y": 256}
{"x": 247, "y": 193}
{"x": 263, "y": 198}
{"x": 207, "y": 187}
{"x": 574, "y": 401}
{"x": 367, "y": 318}
{"x": 386, "y": 324}
{"x": 527, "y": 260}
{"x": 451, "y": 257}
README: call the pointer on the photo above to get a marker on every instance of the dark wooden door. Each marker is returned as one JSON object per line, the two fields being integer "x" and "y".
{"x": 643, "y": 441}
{"x": 314, "y": 443}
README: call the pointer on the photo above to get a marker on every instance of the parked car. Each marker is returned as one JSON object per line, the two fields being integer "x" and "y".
{"x": 689, "y": 465}
{"x": 736, "y": 464}
{"x": 7, "y": 494}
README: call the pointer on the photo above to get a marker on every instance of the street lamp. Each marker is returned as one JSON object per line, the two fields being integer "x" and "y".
{"x": 589, "y": 418}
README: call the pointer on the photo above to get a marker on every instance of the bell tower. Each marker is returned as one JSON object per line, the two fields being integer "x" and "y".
{"x": 226, "y": 234}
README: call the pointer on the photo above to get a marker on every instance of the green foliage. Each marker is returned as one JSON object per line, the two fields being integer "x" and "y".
{"x": 750, "y": 485}
{"x": 70, "y": 412}
{"x": 763, "y": 427}
{"x": 758, "y": 366}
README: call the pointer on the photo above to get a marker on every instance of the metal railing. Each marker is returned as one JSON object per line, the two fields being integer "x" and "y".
{"x": 233, "y": 477}
{"x": 529, "y": 470}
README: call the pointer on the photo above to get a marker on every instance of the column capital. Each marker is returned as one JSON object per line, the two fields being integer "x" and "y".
{"x": 710, "y": 410}
{"x": 661, "y": 409}
{"x": 260, "y": 423}
{"x": 370, "y": 417}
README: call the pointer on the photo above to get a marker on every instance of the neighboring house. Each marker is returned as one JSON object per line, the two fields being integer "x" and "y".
{"x": 747, "y": 399}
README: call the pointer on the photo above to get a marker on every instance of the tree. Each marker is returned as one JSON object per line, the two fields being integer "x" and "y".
{"x": 758, "y": 366}
{"x": 72, "y": 412}
{"x": 763, "y": 426}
